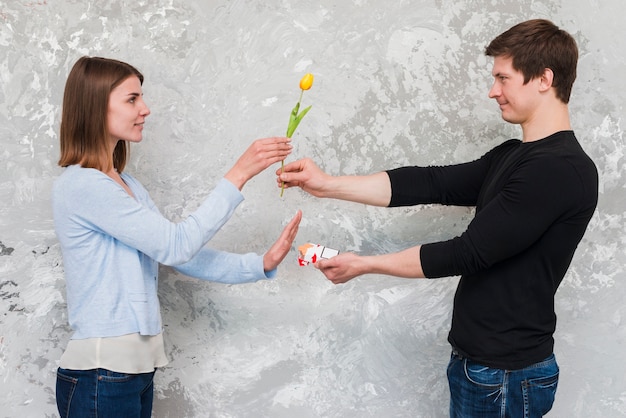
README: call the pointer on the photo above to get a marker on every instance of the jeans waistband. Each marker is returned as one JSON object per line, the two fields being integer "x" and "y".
{"x": 456, "y": 353}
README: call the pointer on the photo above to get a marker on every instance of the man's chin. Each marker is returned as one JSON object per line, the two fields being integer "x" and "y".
{"x": 509, "y": 119}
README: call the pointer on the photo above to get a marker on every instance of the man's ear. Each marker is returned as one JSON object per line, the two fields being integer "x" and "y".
{"x": 546, "y": 79}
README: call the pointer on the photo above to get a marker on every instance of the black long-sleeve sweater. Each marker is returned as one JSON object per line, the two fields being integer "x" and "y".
{"x": 533, "y": 203}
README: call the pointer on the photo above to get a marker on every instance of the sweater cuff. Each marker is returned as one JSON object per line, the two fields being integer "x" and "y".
{"x": 267, "y": 275}
{"x": 432, "y": 257}
{"x": 229, "y": 190}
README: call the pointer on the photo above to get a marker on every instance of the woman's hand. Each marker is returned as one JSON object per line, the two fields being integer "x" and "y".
{"x": 281, "y": 247}
{"x": 260, "y": 154}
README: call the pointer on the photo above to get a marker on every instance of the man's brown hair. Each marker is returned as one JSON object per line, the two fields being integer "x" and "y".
{"x": 84, "y": 132}
{"x": 538, "y": 44}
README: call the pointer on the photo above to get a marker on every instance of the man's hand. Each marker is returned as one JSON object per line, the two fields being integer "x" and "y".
{"x": 304, "y": 174}
{"x": 373, "y": 189}
{"x": 346, "y": 266}
{"x": 342, "y": 268}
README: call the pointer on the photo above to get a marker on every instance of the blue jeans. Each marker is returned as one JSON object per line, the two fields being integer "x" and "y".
{"x": 103, "y": 393}
{"x": 480, "y": 391}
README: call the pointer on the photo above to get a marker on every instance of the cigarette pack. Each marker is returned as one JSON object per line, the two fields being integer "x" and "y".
{"x": 311, "y": 253}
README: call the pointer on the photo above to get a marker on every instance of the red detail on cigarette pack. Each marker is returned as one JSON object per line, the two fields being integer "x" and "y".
{"x": 310, "y": 253}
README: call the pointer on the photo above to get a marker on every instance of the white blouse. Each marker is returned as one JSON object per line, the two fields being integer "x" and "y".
{"x": 131, "y": 353}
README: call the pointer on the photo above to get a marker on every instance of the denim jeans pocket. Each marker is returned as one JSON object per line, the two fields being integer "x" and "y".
{"x": 114, "y": 377}
{"x": 539, "y": 394}
{"x": 65, "y": 388}
{"x": 482, "y": 375}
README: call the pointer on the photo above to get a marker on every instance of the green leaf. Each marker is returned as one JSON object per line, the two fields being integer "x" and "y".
{"x": 291, "y": 128}
{"x": 304, "y": 112}
{"x": 294, "y": 120}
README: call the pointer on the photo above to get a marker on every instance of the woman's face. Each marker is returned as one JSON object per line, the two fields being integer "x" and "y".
{"x": 127, "y": 111}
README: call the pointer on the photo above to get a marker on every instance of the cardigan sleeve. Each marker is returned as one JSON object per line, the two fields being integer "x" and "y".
{"x": 224, "y": 267}
{"x": 88, "y": 200}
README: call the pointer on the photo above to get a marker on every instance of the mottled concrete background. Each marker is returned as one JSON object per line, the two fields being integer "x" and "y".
{"x": 397, "y": 82}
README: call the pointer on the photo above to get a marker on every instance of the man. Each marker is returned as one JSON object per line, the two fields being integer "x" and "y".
{"x": 533, "y": 198}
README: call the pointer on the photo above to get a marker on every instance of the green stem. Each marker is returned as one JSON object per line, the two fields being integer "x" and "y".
{"x": 282, "y": 186}
{"x": 282, "y": 163}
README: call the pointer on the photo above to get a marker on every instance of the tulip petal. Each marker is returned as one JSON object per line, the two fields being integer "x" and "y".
{"x": 306, "y": 82}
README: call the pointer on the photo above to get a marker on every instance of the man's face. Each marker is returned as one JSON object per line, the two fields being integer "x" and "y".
{"x": 518, "y": 101}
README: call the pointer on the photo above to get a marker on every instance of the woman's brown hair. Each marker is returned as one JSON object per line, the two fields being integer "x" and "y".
{"x": 84, "y": 132}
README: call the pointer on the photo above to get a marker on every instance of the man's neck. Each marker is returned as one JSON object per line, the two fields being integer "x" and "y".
{"x": 546, "y": 122}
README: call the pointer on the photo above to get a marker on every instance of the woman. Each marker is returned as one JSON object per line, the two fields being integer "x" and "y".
{"x": 113, "y": 237}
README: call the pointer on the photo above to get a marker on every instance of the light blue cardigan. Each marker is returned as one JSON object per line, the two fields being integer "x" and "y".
{"x": 112, "y": 244}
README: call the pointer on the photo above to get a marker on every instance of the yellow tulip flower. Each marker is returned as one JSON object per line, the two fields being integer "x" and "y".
{"x": 296, "y": 116}
{"x": 306, "y": 82}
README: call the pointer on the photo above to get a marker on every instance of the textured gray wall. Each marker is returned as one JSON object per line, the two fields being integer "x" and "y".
{"x": 397, "y": 82}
